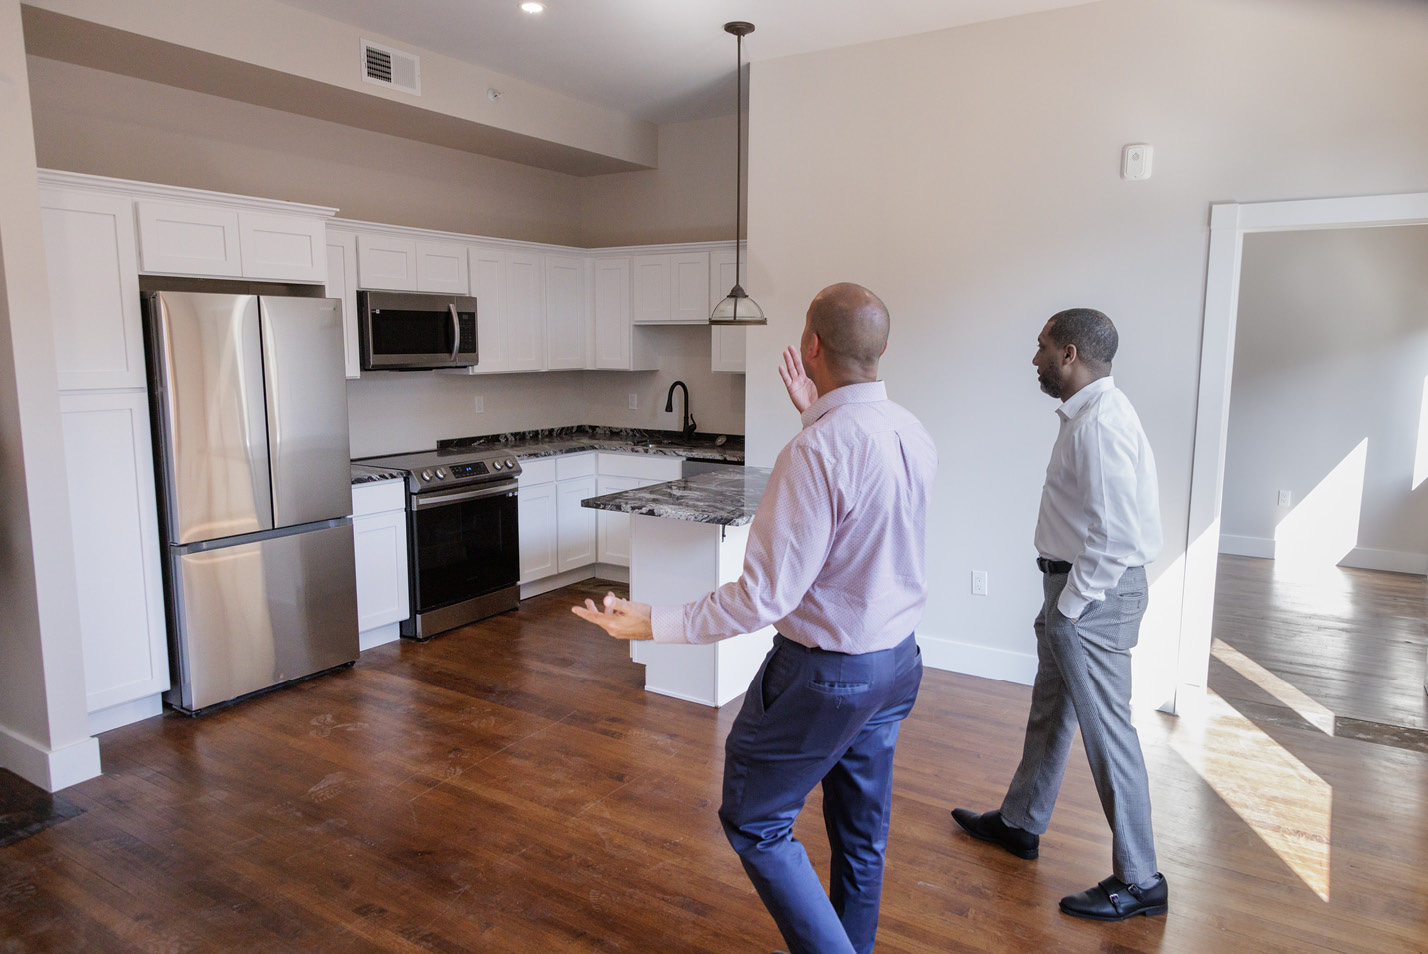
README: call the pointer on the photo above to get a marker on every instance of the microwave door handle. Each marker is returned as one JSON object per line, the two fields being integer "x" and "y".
{"x": 455, "y": 331}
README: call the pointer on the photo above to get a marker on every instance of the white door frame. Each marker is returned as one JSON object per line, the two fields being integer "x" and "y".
{"x": 1229, "y": 222}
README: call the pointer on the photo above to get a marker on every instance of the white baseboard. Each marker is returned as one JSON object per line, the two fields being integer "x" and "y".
{"x": 51, "y": 770}
{"x": 602, "y": 571}
{"x": 102, "y": 720}
{"x": 1363, "y": 558}
{"x": 950, "y": 655}
{"x": 1394, "y": 561}
{"x": 1236, "y": 545}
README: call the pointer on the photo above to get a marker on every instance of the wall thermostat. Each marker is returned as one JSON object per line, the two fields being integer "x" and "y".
{"x": 1135, "y": 161}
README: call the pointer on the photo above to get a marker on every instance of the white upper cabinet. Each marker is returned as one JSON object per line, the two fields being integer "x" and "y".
{"x": 441, "y": 267}
{"x": 689, "y": 289}
{"x": 211, "y": 239}
{"x": 611, "y": 313}
{"x": 189, "y": 240}
{"x": 670, "y": 288}
{"x": 727, "y": 342}
{"x": 93, "y": 270}
{"x": 487, "y": 267}
{"x": 387, "y": 262}
{"x": 567, "y": 327}
{"x": 525, "y": 312}
{"x": 283, "y": 247}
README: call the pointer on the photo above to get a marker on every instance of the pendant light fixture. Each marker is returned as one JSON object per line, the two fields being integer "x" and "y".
{"x": 738, "y": 308}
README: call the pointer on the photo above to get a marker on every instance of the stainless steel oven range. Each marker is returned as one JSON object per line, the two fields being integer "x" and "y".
{"x": 463, "y": 547}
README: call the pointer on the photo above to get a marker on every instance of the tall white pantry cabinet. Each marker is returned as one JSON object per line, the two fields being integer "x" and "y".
{"x": 91, "y": 254}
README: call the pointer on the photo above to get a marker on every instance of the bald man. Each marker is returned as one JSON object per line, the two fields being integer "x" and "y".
{"x": 837, "y": 562}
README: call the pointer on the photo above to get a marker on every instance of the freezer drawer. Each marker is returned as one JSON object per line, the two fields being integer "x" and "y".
{"x": 253, "y": 615}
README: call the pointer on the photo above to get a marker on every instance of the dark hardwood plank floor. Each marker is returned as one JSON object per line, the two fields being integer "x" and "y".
{"x": 509, "y": 787}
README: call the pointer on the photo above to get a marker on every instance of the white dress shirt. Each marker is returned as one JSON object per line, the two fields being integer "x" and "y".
{"x": 837, "y": 554}
{"x": 1100, "y": 506}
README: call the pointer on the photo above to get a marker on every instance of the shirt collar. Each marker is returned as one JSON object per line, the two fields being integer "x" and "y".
{"x": 864, "y": 393}
{"x": 1073, "y": 405}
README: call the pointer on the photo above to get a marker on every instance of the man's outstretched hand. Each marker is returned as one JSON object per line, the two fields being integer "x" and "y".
{"x": 622, "y": 619}
{"x": 801, "y": 389}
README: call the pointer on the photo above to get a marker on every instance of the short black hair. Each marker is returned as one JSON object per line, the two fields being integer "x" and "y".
{"x": 1089, "y": 330}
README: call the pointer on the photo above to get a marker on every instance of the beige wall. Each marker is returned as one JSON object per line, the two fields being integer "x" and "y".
{"x": 105, "y": 124}
{"x": 971, "y": 178}
{"x": 688, "y": 198}
{"x": 44, "y": 730}
{"x": 1331, "y": 350}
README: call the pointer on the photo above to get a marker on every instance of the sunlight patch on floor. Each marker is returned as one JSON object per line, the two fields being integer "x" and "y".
{"x": 1310, "y": 710}
{"x": 1276, "y": 795}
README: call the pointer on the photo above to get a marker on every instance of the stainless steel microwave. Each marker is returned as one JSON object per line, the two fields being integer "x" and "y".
{"x": 411, "y": 331}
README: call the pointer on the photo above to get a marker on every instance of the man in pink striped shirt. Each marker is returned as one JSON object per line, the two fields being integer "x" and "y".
{"x": 836, "y": 561}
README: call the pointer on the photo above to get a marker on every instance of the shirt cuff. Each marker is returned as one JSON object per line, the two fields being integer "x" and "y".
{"x": 667, "y": 624}
{"x": 1070, "y": 604}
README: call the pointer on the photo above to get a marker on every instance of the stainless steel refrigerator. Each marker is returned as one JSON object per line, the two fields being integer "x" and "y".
{"x": 249, "y": 405}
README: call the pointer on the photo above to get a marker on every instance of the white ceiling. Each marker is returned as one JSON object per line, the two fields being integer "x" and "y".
{"x": 658, "y": 60}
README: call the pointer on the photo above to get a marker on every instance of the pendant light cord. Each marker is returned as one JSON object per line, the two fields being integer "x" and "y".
{"x": 739, "y": 170}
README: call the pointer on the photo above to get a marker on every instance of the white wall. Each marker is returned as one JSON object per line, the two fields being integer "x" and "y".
{"x": 970, "y": 177}
{"x": 1331, "y": 349}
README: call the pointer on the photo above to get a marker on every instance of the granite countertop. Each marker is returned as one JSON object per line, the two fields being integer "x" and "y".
{"x": 726, "y": 497}
{"x": 366, "y": 473}
{"x": 529, "y": 445}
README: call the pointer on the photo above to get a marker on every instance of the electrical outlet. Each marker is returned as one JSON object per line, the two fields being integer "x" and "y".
{"x": 1285, "y": 498}
{"x": 480, "y": 404}
{"x": 634, "y": 401}
{"x": 979, "y": 582}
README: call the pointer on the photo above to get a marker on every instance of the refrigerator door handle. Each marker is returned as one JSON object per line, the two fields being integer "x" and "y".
{"x": 455, "y": 331}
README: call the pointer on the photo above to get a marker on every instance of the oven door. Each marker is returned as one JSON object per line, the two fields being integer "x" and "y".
{"x": 464, "y": 549}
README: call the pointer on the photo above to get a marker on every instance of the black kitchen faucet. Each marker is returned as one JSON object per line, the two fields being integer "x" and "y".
{"x": 687, "y": 429}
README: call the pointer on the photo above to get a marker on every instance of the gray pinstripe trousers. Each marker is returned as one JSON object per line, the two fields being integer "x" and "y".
{"x": 1083, "y": 677}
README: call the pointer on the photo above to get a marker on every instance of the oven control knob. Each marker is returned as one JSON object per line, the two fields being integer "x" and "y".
{"x": 498, "y": 464}
{"x": 441, "y": 473}
{"x": 426, "y": 475}
{"x": 510, "y": 463}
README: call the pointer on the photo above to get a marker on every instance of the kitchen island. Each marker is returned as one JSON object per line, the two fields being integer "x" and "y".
{"x": 687, "y": 537}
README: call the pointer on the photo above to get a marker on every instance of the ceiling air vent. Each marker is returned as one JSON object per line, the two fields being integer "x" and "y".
{"x": 384, "y": 66}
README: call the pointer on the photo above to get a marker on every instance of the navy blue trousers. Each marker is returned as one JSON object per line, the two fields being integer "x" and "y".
{"x": 810, "y": 717}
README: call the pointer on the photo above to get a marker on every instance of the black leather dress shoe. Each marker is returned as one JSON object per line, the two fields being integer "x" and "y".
{"x": 989, "y": 826}
{"x": 1114, "y": 900}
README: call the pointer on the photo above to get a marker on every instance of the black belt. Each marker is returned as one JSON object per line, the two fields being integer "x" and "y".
{"x": 1052, "y": 566}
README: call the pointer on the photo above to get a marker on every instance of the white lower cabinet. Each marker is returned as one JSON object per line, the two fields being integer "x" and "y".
{"x": 575, "y": 525}
{"x": 117, "y": 554}
{"x": 619, "y": 472}
{"x": 379, "y": 533}
{"x": 535, "y": 508}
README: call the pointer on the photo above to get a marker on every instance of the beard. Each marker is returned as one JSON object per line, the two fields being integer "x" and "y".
{"x": 1050, "y": 381}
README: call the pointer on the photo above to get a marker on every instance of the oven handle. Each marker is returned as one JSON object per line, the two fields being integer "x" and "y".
{"x": 455, "y": 331}
{"x": 461, "y": 496}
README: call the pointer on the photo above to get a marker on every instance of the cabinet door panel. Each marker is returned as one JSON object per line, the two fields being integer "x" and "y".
{"x": 441, "y": 267}
{"x": 342, "y": 284}
{"x": 612, "y": 313}
{"x": 575, "y": 534}
{"x": 525, "y": 311}
{"x": 283, "y": 247}
{"x": 649, "y": 287}
{"x": 116, "y": 546}
{"x": 566, "y": 328}
{"x": 689, "y": 287}
{"x": 614, "y": 527}
{"x": 537, "y": 517}
{"x": 93, "y": 266}
{"x": 179, "y": 239}
{"x": 488, "y": 286}
{"x": 380, "y": 543}
{"x": 386, "y": 262}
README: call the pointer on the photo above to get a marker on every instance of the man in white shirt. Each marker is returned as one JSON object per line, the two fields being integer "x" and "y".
{"x": 1098, "y": 526}
{"x": 837, "y": 561}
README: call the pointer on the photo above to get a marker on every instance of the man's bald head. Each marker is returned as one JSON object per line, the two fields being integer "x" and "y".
{"x": 852, "y": 325}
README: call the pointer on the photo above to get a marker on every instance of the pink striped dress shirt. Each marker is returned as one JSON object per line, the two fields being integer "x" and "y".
{"x": 837, "y": 554}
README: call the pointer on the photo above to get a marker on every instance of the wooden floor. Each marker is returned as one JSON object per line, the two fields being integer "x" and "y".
{"x": 509, "y": 787}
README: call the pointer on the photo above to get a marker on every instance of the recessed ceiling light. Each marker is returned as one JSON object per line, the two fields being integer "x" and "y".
{"x": 530, "y": 6}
